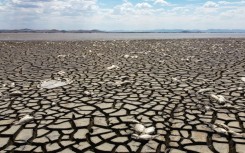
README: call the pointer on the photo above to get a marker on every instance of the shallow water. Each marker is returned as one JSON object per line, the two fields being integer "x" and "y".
{"x": 113, "y": 36}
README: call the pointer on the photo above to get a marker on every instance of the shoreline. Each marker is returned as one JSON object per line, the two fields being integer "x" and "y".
{"x": 113, "y": 36}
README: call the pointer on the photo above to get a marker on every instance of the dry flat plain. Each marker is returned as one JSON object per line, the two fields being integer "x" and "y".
{"x": 123, "y": 96}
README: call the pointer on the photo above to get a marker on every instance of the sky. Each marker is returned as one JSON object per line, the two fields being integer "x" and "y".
{"x": 122, "y": 14}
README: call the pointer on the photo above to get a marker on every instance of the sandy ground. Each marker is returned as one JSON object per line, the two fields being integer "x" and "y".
{"x": 169, "y": 85}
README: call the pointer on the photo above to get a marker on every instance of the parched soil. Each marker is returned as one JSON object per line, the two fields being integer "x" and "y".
{"x": 157, "y": 83}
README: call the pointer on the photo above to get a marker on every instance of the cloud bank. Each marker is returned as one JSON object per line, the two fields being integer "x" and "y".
{"x": 121, "y": 15}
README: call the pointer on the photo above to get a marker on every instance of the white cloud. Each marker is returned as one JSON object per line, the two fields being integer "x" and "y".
{"x": 163, "y": 2}
{"x": 210, "y": 4}
{"x": 143, "y": 5}
{"x": 224, "y": 2}
{"x": 125, "y": 8}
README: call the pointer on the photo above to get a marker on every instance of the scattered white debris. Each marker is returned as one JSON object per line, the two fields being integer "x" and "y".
{"x": 50, "y": 84}
{"x": 134, "y": 56}
{"x": 8, "y": 84}
{"x": 113, "y": 67}
{"x": 27, "y": 118}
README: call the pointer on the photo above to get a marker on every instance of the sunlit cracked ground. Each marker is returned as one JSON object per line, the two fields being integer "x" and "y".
{"x": 157, "y": 83}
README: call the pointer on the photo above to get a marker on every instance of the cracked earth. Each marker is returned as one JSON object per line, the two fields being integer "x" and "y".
{"x": 158, "y": 83}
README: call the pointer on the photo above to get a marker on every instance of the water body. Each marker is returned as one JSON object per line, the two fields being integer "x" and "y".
{"x": 112, "y": 36}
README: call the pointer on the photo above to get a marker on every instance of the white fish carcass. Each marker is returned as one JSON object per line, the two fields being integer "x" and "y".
{"x": 27, "y": 118}
{"x": 219, "y": 98}
{"x": 112, "y": 67}
{"x": 243, "y": 79}
{"x": 126, "y": 56}
{"x": 139, "y": 128}
{"x": 149, "y": 130}
{"x": 50, "y": 84}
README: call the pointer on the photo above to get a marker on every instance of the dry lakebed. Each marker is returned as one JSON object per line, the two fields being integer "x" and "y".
{"x": 174, "y": 96}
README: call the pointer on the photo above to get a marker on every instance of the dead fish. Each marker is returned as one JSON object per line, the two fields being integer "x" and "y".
{"x": 236, "y": 134}
{"x": 175, "y": 80}
{"x": 126, "y": 56}
{"x": 222, "y": 126}
{"x": 220, "y": 130}
{"x": 51, "y": 83}
{"x": 219, "y": 98}
{"x": 223, "y": 129}
{"x": 25, "y": 119}
{"x": 113, "y": 67}
{"x": 16, "y": 93}
{"x": 139, "y": 128}
{"x": 243, "y": 79}
{"x": 143, "y": 136}
{"x": 61, "y": 56}
{"x": 149, "y": 130}
{"x": 120, "y": 83}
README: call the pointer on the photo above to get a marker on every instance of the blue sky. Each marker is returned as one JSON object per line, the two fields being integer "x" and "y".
{"x": 122, "y": 14}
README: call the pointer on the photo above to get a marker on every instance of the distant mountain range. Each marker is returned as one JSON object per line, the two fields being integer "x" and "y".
{"x": 127, "y": 31}
{"x": 187, "y": 31}
{"x": 49, "y": 31}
